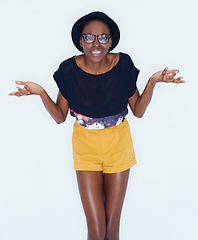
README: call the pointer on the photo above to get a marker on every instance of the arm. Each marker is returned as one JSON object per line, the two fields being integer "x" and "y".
{"x": 57, "y": 110}
{"x": 139, "y": 103}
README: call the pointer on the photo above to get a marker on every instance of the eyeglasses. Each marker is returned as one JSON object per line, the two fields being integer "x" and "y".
{"x": 90, "y": 38}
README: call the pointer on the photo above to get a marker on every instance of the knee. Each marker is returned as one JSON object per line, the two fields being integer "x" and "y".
{"x": 112, "y": 231}
{"x": 96, "y": 236}
{"x": 97, "y": 233}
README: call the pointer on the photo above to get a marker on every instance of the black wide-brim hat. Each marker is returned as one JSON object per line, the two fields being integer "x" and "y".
{"x": 78, "y": 26}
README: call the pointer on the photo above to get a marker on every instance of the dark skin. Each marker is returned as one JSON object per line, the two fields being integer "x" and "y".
{"x": 102, "y": 195}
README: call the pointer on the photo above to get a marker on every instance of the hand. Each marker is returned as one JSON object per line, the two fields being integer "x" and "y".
{"x": 30, "y": 88}
{"x": 166, "y": 76}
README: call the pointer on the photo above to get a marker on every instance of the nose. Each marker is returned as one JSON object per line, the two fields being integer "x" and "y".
{"x": 96, "y": 42}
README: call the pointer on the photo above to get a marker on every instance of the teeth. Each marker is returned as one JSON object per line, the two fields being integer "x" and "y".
{"x": 97, "y": 52}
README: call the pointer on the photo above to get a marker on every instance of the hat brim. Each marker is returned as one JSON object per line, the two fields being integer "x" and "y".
{"x": 78, "y": 26}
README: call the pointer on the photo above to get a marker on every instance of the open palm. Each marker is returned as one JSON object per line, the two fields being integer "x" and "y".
{"x": 166, "y": 76}
{"x": 29, "y": 88}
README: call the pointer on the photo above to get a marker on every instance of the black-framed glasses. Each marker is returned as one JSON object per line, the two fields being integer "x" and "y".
{"x": 102, "y": 38}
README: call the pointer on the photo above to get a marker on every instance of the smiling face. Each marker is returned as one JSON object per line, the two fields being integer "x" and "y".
{"x": 96, "y": 51}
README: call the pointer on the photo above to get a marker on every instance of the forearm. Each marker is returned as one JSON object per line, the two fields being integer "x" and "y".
{"x": 139, "y": 103}
{"x": 52, "y": 108}
{"x": 144, "y": 99}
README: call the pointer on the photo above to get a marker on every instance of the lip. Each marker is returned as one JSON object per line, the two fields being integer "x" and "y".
{"x": 96, "y": 52}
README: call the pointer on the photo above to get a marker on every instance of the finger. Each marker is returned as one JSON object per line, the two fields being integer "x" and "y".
{"x": 172, "y": 75}
{"x": 176, "y": 80}
{"x": 179, "y": 80}
{"x": 17, "y": 94}
{"x": 20, "y": 83}
{"x": 11, "y": 94}
{"x": 22, "y": 91}
{"x": 164, "y": 71}
{"x": 163, "y": 74}
{"x": 172, "y": 81}
{"x": 27, "y": 89}
{"x": 172, "y": 71}
{"x": 19, "y": 89}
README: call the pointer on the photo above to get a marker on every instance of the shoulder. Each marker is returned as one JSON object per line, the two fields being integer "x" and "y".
{"x": 66, "y": 62}
{"x": 128, "y": 64}
{"x": 125, "y": 57}
{"x": 122, "y": 57}
{"x": 66, "y": 66}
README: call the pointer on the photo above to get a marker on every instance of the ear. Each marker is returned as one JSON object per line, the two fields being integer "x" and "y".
{"x": 81, "y": 42}
{"x": 110, "y": 42}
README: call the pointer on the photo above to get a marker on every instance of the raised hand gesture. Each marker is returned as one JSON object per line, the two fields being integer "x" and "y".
{"x": 29, "y": 88}
{"x": 167, "y": 76}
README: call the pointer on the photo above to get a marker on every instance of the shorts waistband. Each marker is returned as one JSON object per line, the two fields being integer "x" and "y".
{"x": 83, "y": 129}
{"x": 101, "y": 123}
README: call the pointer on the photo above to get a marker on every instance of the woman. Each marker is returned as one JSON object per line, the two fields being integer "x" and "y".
{"x": 97, "y": 86}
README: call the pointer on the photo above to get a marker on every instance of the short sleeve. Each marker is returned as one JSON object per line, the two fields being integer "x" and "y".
{"x": 60, "y": 81}
{"x": 133, "y": 73}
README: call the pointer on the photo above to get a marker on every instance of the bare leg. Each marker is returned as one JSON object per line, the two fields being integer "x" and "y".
{"x": 115, "y": 185}
{"x": 90, "y": 185}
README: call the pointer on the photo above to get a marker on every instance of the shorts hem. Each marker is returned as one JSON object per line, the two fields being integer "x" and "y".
{"x": 120, "y": 168}
{"x": 88, "y": 167}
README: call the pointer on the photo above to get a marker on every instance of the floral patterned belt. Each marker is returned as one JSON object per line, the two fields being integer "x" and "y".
{"x": 99, "y": 123}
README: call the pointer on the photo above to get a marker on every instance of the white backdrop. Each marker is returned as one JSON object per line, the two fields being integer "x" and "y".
{"x": 39, "y": 198}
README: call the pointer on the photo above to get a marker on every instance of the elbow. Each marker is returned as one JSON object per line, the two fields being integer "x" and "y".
{"x": 59, "y": 121}
{"x": 138, "y": 115}
{"x": 137, "y": 111}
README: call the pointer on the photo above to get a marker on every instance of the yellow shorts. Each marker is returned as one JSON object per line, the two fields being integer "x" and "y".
{"x": 109, "y": 150}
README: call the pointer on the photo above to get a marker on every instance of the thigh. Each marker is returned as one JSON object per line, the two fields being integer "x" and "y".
{"x": 115, "y": 185}
{"x": 90, "y": 185}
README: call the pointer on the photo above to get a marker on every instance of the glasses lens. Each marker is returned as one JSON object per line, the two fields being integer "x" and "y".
{"x": 104, "y": 38}
{"x": 88, "y": 38}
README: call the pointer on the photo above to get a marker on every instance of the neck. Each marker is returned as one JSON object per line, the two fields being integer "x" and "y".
{"x": 96, "y": 67}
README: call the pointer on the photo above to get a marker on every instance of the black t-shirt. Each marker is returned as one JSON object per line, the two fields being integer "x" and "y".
{"x": 97, "y": 96}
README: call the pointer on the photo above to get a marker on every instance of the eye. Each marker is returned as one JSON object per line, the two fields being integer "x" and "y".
{"x": 88, "y": 37}
{"x": 103, "y": 37}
